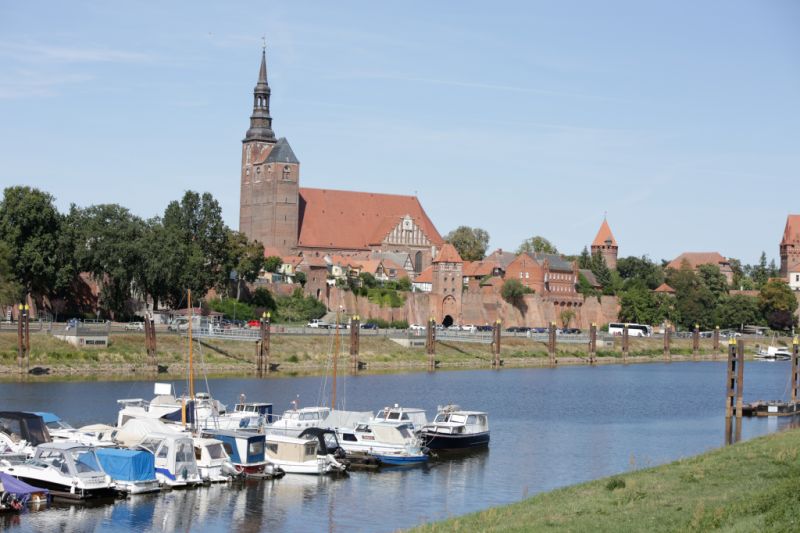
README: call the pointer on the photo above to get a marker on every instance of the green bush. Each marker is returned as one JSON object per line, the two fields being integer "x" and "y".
{"x": 299, "y": 308}
{"x": 232, "y": 309}
{"x": 386, "y": 297}
{"x": 399, "y": 324}
{"x": 378, "y": 322}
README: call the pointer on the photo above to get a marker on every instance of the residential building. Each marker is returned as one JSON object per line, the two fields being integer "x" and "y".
{"x": 549, "y": 275}
{"x": 695, "y": 259}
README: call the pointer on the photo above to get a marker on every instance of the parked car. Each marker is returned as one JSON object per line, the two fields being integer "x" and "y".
{"x": 369, "y": 325}
{"x": 253, "y": 323}
{"x": 416, "y": 327}
{"x": 571, "y": 331}
{"x": 485, "y": 327}
{"x": 538, "y": 330}
{"x": 318, "y": 323}
{"x": 134, "y": 326}
{"x": 518, "y": 329}
{"x": 469, "y": 327}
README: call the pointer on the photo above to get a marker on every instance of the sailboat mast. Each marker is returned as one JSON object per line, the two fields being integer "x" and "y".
{"x": 191, "y": 358}
{"x": 335, "y": 358}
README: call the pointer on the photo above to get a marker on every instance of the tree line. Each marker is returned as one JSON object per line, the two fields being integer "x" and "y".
{"x": 43, "y": 252}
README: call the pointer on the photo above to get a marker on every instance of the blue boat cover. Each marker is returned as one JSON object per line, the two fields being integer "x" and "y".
{"x": 18, "y": 488}
{"x": 47, "y": 417}
{"x": 127, "y": 465}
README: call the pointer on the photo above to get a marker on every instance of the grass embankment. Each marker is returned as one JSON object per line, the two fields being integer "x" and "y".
{"x": 126, "y": 355}
{"x": 751, "y": 486}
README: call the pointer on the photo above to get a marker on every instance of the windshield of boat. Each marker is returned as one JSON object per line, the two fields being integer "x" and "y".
{"x": 442, "y": 417}
{"x": 331, "y": 443}
{"x": 58, "y": 424}
{"x": 256, "y": 448}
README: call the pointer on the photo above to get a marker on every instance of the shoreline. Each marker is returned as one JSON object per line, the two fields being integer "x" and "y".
{"x": 748, "y": 486}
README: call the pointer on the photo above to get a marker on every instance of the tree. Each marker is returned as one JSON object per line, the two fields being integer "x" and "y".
{"x": 585, "y": 260}
{"x": 584, "y": 287}
{"x": 272, "y": 263}
{"x": 245, "y": 258}
{"x": 368, "y": 280}
{"x": 29, "y": 226}
{"x": 300, "y": 277}
{"x": 263, "y": 299}
{"x": 404, "y": 284}
{"x": 10, "y": 290}
{"x": 759, "y": 272}
{"x": 642, "y": 269}
{"x": 566, "y": 317}
{"x": 601, "y": 272}
{"x": 106, "y": 241}
{"x": 694, "y": 301}
{"x": 514, "y": 292}
{"x": 538, "y": 244}
{"x": 738, "y": 310}
{"x": 197, "y": 222}
{"x": 778, "y": 304}
{"x": 471, "y": 243}
{"x": 715, "y": 280}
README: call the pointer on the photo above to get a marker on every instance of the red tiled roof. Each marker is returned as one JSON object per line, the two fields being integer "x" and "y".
{"x": 351, "y": 220}
{"x": 293, "y": 260}
{"x": 604, "y": 234}
{"x": 664, "y": 288}
{"x": 478, "y": 269}
{"x": 314, "y": 261}
{"x": 695, "y": 259}
{"x": 426, "y": 276}
{"x": 791, "y": 234}
{"x": 448, "y": 254}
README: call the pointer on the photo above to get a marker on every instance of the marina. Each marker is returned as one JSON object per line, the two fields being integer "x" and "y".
{"x": 544, "y": 435}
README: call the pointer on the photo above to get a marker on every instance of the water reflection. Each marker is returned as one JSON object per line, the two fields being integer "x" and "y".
{"x": 550, "y": 428}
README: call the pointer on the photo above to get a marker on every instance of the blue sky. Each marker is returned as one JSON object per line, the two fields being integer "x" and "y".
{"x": 679, "y": 119}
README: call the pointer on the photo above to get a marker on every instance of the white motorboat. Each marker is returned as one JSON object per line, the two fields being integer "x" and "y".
{"x": 213, "y": 462}
{"x": 392, "y": 443}
{"x": 413, "y": 416}
{"x": 248, "y": 416}
{"x": 60, "y": 431}
{"x": 67, "y": 469}
{"x": 166, "y": 407}
{"x": 773, "y": 353}
{"x": 174, "y": 458}
{"x": 454, "y": 429}
{"x": 292, "y": 422}
{"x": 296, "y": 455}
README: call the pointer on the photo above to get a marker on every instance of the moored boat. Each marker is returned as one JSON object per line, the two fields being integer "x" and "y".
{"x": 246, "y": 451}
{"x": 393, "y": 444}
{"x": 174, "y": 458}
{"x": 67, "y": 469}
{"x": 454, "y": 429}
{"x": 213, "y": 462}
{"x": 295, "y": 455}
{"x": 133, "y": 471}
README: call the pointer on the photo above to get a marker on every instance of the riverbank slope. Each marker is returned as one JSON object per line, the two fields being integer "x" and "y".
{"x": 750, "y": 486}
{"x": 125, "y": 356}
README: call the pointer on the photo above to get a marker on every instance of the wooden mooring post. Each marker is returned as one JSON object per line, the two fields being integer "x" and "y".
{"x": 715, "y": 349}
{"x": 150, "y": 342}
{"x": 626, "y": 344}
{"x": 735, "y": 386}
{"x": 592, "y": 343}
{"x": 695, "y": 342}
{"x": 430, "y": 343}
{"x": 551, "y": 344}
{"x": 496, "y": 331}
{"x": 355, "y": 343}
{"x": 667, "y": 338}
{"x": 795, "y": 368}
{"x": 262, "y": 346}
{"x": 23, "y": 338}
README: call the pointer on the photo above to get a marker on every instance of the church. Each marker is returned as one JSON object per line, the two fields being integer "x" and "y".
{"x": 293, "y": 220}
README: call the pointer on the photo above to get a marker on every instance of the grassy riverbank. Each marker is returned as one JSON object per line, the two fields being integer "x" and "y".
{"x": 126, "y": 355}
{"x": 751, "y": 486}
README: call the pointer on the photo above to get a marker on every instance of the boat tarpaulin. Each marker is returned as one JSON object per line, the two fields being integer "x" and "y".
{"x": 127, "y": 465}
{"x": 18, "y": 488}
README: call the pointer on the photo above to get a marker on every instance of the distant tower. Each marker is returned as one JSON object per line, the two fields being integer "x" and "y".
{"x": 447, "y": 286}
{"x": 790, "y": 252}
{"x": 606, "y": 245}
{"x": 270, "y": 178}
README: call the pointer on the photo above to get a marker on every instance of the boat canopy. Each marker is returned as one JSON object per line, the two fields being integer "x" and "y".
{"x": 136, "y": 429}
{"x": 21, "y": 490}
{"x": 293, "y": 449}
{"x": 328, "y": 443}
{"x": 127, "y": 465}
{"x": 27, "y": 426}
{"x": 241, "y": 447}
{"x": 48, "y": 418}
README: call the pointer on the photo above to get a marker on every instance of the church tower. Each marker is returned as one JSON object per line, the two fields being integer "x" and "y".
{"x": 790, "y": 252}
{"x": 270, "y": 178}
{"x": 606, "y": 245}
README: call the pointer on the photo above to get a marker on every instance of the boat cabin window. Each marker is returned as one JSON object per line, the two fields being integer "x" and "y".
{"x": 363, "y": 428}
{"x": 198, "y": 453}
{"x": 349, "y": 437}
{"x": 163, "y": 452}
{"x": 227, "y": 447}
{"x": 309, "y": 416}
{"x": 238, "y": 407}
{"x": 215, "y": 451}
{"x": 311, "y": 449}
{"x": 250, "y": 409}
{"x": 472, "y": 419}
{"x": 404, "y": 416}
{"x": 9, "y": 426}
{"x": 458, "y": 419}
{"x": 394, "y": 416}
{"x": 442, "y": 417}
{"x": 272, "y": 447}
{"x": 404, "y": 432}
{"x": 255, "y": 448}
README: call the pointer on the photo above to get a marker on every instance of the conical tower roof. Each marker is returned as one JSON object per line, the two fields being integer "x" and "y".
{"x": 448, "y": 254}
{"x": 791, "y": 234}
{"x": 604, "y": 236}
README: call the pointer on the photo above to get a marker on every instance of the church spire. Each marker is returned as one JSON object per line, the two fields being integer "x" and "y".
{"x": 260, "y": 120}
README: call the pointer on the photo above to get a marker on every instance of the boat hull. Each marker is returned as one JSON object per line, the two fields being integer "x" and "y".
{"x": 444, "y": 441}
{"x": 57, "y": 490}
{"x": 402, "y": 460}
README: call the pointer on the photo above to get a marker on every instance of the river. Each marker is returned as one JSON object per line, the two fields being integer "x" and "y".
{"x": 549, "y": 428}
